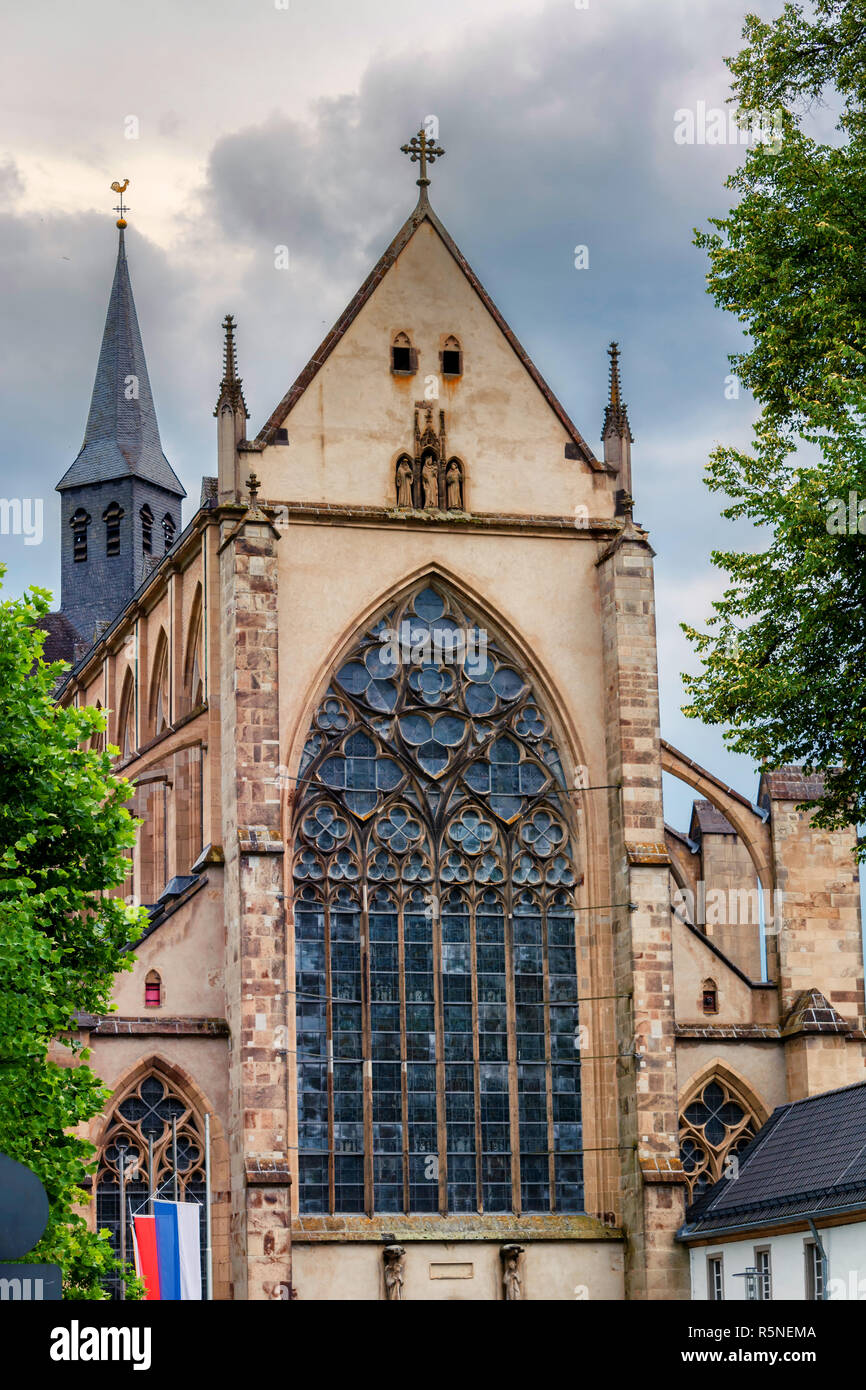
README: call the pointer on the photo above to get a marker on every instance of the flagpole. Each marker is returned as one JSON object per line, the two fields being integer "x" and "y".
{"x": 151, "y": 1188}
{"x": 123, "y": 1219}
{"x": 207, "y": 1217}
{"x": 174, "y": 1154}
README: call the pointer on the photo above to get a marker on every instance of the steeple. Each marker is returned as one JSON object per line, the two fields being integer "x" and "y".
{"x": 231, "y": 415}
{"x": 121, "y": 499}
{"x": 122, "y": 436}
{"x": 617, "y": 436}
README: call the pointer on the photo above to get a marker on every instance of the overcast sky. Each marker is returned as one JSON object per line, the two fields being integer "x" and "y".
{"x": 266, "y": 122}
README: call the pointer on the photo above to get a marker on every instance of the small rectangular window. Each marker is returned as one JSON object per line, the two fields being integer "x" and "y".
{"x": 451, "y": 363}
{"x": 151, "y": 995}
{"x": 401, "y": 359}
{"x": 764, "y": 1289}
{"x": 715, "y": 1279}
{"x": 814, "y": 1272}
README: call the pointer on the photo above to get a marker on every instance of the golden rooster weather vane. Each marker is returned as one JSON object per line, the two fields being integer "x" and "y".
{"x": 121, "y": 188}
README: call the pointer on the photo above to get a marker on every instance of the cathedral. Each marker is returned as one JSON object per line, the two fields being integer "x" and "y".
{"x": 464, "y": 1018}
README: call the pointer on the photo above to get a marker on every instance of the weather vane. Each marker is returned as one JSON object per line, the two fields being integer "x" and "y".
{"x": 121, "y": 188}
{"x": 426, "y": 151}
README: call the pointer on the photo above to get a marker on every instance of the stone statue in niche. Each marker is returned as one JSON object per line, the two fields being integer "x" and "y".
{"x": 454, "y": 487}
{"x": 404, "y": 483}
{"x": 510, "y": 1256}
{"x": 395, "y": 1259}
{"x": 430, "y": 482}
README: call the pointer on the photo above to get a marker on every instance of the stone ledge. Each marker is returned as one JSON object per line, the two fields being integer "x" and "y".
{"x": 109, "y": 1025}
{"x": 747, "y": 1032}
{"x": 397, "y": 1229}
{"x": 267, "y": 1172}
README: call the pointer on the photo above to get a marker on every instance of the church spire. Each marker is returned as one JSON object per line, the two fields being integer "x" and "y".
{"x": 231, "y": 386}
{"x": 121, "y": 438}
{"x": 121, "y": 499}
{"x": 617, "y": 436}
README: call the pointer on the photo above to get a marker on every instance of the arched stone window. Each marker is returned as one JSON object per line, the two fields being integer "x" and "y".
{"x": 159, "y": 703}
{"x": 452, "y": 357}
{"x": 435, "y": 960}
{"x": 404, "y": 358}
{"x": 168, "y": 531}
{"x": 710, "y": 997}
{"x": 126, "y": 740}
{"x": 144, "y": 1116}
{"x": 193, "y": 680}
{"x": 152, "y": 989}
{"x": 716, "y": 1122}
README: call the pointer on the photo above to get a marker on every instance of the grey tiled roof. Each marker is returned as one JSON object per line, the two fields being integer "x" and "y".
{"x": 122, "y": 436}
{"x": 60, "y": 637}
{"x": 809, "y": 1159}
{"x": 709, "y": 820}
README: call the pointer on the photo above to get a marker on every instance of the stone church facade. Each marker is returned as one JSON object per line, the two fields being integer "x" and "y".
{"x": 469, "y": 1020}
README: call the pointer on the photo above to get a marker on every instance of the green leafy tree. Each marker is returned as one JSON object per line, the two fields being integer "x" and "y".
{"x": 63, "y": 831}
{"x": 784, "y": 652}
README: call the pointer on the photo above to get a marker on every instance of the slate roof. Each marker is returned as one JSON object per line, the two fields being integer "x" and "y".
{"x": 791, "y": 783}
{"x": 809, "y": 1159}
{"x": 709, "y": 820}
{"x": 423, "y": 212}
{"x": 61, "y": 637}
{"x": 122, "y": 436}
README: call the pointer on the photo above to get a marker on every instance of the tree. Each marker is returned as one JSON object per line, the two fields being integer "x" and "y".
{"x": 784, "y": 653}
{"x": 63, "y": 831}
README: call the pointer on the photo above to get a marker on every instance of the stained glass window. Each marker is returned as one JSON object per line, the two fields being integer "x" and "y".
{"x": 715, "y": 1125}
{"x": 435, "y": 961}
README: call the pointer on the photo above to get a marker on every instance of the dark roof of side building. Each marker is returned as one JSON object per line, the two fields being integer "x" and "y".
{"x": 809, "y": 1159}
{"x": 709, "y": 820}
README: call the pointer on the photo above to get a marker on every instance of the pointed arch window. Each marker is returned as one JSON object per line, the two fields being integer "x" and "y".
{"x": 142, "y": 1124}
{"x": 126, "y": 719}
{"x": 146, "y": 518}
{"x": 716, "y": 1123}
{"x": 193, "y": 678}
{"x": 435, "y": 949}
{"x": 159, "y": 698}
{"x": 168, "y": 531}
{"x": 112, "y": 516}
{"x": 79, "y": 521}
{"x": 404, "y": 357}
{"x": 452, "y": 357}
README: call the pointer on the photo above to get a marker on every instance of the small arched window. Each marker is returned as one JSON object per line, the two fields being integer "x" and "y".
{"x": 146, "y": 516}
{"x": 168, "y": 531}
{"x": 404, "y": 358}
{"x": 112, "y": 516}
{"x": 710, "y": 997}
{"x": 152, "y": 990}
{"x": 452, "y": 358}
{"x": 79, "y": 521}
{"x": 159, "y": 687}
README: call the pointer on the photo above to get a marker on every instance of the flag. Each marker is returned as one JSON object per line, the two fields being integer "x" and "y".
{"x": 178, "y": 1248}
{"x": 144, "y": 1248}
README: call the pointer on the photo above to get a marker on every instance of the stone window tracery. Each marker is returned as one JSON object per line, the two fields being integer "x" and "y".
{"x": 435, "y": 961}
{"x": 146, "y": 1114}
{"x": 716, "y": 1123}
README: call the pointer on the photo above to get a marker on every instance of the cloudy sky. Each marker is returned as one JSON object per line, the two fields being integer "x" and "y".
{"x": 247, "y": 124}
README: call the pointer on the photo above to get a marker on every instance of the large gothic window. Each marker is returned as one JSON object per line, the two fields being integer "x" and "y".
{"x": 434, "y": 932}
{"x": 142, "y": 1129}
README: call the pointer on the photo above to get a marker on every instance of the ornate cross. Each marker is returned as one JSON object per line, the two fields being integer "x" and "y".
{"x": 426, "y": 151}
{"x": 120, "y": 188}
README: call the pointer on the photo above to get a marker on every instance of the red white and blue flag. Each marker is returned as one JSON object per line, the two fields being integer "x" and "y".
{"x": 167, "y": 1249}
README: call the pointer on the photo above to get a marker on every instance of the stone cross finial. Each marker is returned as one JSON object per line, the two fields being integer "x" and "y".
{"x": 253, "y": 485}
{"x": 420, "y": 149}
